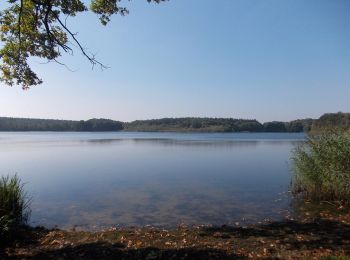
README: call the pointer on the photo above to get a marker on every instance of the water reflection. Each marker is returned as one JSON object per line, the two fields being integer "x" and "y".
{"x": 103, "y": 179}
{"x": 173, "y": 142}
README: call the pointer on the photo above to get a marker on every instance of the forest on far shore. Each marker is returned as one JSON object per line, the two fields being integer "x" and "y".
{"x": 185, "y": 124}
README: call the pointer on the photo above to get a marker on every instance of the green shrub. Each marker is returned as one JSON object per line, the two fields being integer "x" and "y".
{"x": 322, "y": 168}
{"x": 14, "y": 207}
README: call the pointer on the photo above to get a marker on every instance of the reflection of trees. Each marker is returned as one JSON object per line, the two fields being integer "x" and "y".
{"x": 193, "y": 143}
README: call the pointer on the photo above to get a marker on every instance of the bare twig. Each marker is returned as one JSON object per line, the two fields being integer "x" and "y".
{"x": 92, "y": 59}
{"x": 44, "y": 13}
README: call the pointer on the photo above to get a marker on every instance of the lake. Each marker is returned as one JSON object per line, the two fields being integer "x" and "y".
{"x": 99, "y": 180}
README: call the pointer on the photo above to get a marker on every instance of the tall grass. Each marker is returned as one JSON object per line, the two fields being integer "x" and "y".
{"x": 14, "y": 206}
{"x": 322, "y": 167}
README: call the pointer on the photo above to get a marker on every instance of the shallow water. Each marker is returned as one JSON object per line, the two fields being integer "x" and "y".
{"x": 97, "y": 180}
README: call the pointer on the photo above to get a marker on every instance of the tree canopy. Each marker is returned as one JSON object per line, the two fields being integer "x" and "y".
{"x": 38, "y": 28}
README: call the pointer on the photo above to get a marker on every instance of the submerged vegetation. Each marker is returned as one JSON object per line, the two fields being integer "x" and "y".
{"x": 14, "y": 207}
{"x": 322, "y": 167}
{"x": 326, "y": 238}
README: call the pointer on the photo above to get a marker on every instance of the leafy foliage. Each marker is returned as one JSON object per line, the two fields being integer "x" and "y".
{"x": 322, "y": 167}
{"x": 38, "y": 28}
{"x": 14, "y": 207}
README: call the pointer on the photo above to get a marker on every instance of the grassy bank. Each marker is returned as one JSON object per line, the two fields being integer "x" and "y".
{"x": 322, "y": 168}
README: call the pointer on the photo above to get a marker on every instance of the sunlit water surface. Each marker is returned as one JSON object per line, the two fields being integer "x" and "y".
{"x": 98, "y": 180}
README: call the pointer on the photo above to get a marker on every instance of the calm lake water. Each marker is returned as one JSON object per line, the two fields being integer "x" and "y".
{"x": 97, "y": 180}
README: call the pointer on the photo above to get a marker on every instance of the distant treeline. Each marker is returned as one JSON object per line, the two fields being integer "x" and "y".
{"x": 216, "y": 125}
{"x": 335, "y": 121}
{"x": 186, "y": 124}
{"x": 26, "y": 124}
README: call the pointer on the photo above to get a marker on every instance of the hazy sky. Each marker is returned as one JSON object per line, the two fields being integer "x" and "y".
{"x": 263, "y": 59}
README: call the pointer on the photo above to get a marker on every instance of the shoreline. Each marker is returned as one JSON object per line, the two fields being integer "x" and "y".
{"x": 310, "y": 238}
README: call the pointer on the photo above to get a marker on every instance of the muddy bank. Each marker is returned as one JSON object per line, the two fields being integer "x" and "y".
{"x": 316, "y": 238}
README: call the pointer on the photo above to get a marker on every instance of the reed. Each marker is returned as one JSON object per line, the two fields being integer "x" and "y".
{"x": 14, "y": 206}
{"x": 322, "y": 168}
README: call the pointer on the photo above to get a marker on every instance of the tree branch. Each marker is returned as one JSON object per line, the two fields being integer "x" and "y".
{"x": 19, "y": 29}
{"x": 92, "y": 59}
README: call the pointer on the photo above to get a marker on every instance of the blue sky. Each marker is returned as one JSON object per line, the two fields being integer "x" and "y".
{"x": 262, "y": 59}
